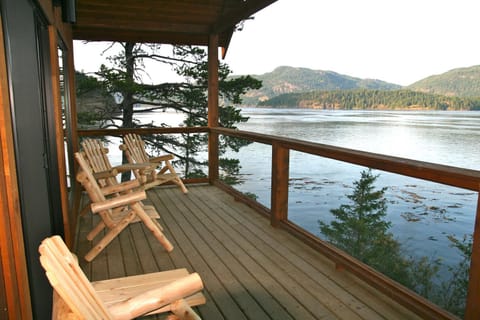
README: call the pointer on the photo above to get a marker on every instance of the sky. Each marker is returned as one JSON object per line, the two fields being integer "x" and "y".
{"x": 395, "y": 41}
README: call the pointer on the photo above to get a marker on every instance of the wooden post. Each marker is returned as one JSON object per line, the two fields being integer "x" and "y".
{"x": 76, "y": 191}
{"x": 14, "y": 273}
{"x": 280, "y": 175}
{"x": 60, "y": 134}
{"x": 213, "y": 154}
{"x": 472, "y": 310}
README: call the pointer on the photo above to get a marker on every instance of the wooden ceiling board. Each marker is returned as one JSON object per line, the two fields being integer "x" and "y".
{"x": 201, "y": 13}
{"x": 162, "y": 21}
{"x": 160, "y": 9}
{"x": 87, "y": 18}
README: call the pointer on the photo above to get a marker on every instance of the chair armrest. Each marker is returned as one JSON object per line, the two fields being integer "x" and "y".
{"x": 119, "y": 201}
{"x": 134, "y": 166}
{"x": 161, "y": 158}
{"x": 105, "y": 174}
{"x": 121, "y": 187}
{"x": 157, "y": 298}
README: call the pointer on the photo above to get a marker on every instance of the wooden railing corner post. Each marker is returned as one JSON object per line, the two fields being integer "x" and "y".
{"x": 280, "y": 176}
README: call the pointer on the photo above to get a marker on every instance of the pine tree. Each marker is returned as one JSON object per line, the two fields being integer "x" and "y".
{"x": 360, "y": 229}
{"x": 126, "y": 75}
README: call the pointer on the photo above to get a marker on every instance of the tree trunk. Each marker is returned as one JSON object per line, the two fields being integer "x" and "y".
{"x": 128, "y": 99}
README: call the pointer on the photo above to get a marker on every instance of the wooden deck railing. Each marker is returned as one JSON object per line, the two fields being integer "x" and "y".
{"x": 457, "y": 177}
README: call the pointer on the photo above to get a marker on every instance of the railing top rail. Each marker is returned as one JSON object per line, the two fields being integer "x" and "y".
{"x": 140, "y": 131}
{"x": 453, "y": 176}
{"x": 449, "y": 175}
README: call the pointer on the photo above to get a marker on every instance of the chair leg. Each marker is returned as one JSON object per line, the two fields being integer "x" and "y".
{"x": 85, "y": 210}
{"x": 177, "y": 181}
{"x": 183, "y": 311}
{"x": 110, "y": 236}
{"x": 93, "y": 233}
{"x": 153, "y": 226}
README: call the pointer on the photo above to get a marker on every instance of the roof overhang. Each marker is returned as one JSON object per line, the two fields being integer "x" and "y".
{"x": 179, "y": 22}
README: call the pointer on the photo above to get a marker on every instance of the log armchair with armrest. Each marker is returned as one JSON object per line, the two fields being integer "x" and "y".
{"x": 96, "y": 155}
{"x": 75, "y": 297}
{"x": 134, "y": 148}
{"x": 118, "y": 211}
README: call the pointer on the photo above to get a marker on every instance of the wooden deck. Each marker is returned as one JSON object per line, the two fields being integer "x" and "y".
{"x": 250, "y": 270}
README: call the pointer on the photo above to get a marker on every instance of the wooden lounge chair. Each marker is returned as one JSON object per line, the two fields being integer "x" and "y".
{"x": 134, "y": 148}
{"x": 106, "y": 175}
{"x": 118, "y": 211}
{"x": 75, "y": 297}
{"x": 96, "y": 155}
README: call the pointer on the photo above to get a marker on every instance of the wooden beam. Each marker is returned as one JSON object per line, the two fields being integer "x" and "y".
{"x": 213, "y": 153}
{"x": 128, "y": 35}
{"x": 134, "y": 24}
{"x": 75, "y": 193}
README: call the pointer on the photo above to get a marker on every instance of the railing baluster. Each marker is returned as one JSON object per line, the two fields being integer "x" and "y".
{"x": 280, "y": 175}
{"x": 213, "y": 157}
{"x": 472, "y": 310}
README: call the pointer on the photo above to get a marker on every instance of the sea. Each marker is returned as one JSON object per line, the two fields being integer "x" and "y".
{"x": 422, "y": 214}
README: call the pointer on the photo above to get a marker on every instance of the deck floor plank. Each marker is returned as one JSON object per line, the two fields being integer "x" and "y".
{"x": 203, "y": 244}
{"x": 238, "y": 262}
{"x": 178, "y": 259}
{"x": 361, "y": 295}
{"x": 250, "y": 269}
{"x": 282, "y": 268}
{"x": 270, "y": 279}
{"x": 289, "y": 255}
{"x": 216, "y": 290}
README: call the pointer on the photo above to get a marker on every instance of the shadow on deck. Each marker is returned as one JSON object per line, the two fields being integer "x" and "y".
{"x": 250, "y": 270}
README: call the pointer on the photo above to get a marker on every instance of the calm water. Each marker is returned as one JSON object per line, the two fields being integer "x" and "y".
{"x": 422, "y": 213}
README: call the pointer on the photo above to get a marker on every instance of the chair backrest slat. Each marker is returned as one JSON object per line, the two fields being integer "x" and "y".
{"x": 69, "y": 281}
{"x": 96, "y": 155}
{"x": 87, "y": 179}
{"x": 136, "y": 146}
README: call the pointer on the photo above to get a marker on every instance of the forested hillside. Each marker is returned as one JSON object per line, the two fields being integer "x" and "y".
{"x": 461, "y": 82}
{"x": 372, "y": 99}
{"x": 288, "y": 79}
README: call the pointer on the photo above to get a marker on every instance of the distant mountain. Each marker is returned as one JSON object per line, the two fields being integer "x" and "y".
{"x": 457, "y": 89}
{"x": 290, "y": 80}
{"x": 461, "y": 82}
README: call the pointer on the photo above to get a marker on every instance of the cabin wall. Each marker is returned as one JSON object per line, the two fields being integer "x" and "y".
{"x": 33, "y": 189}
